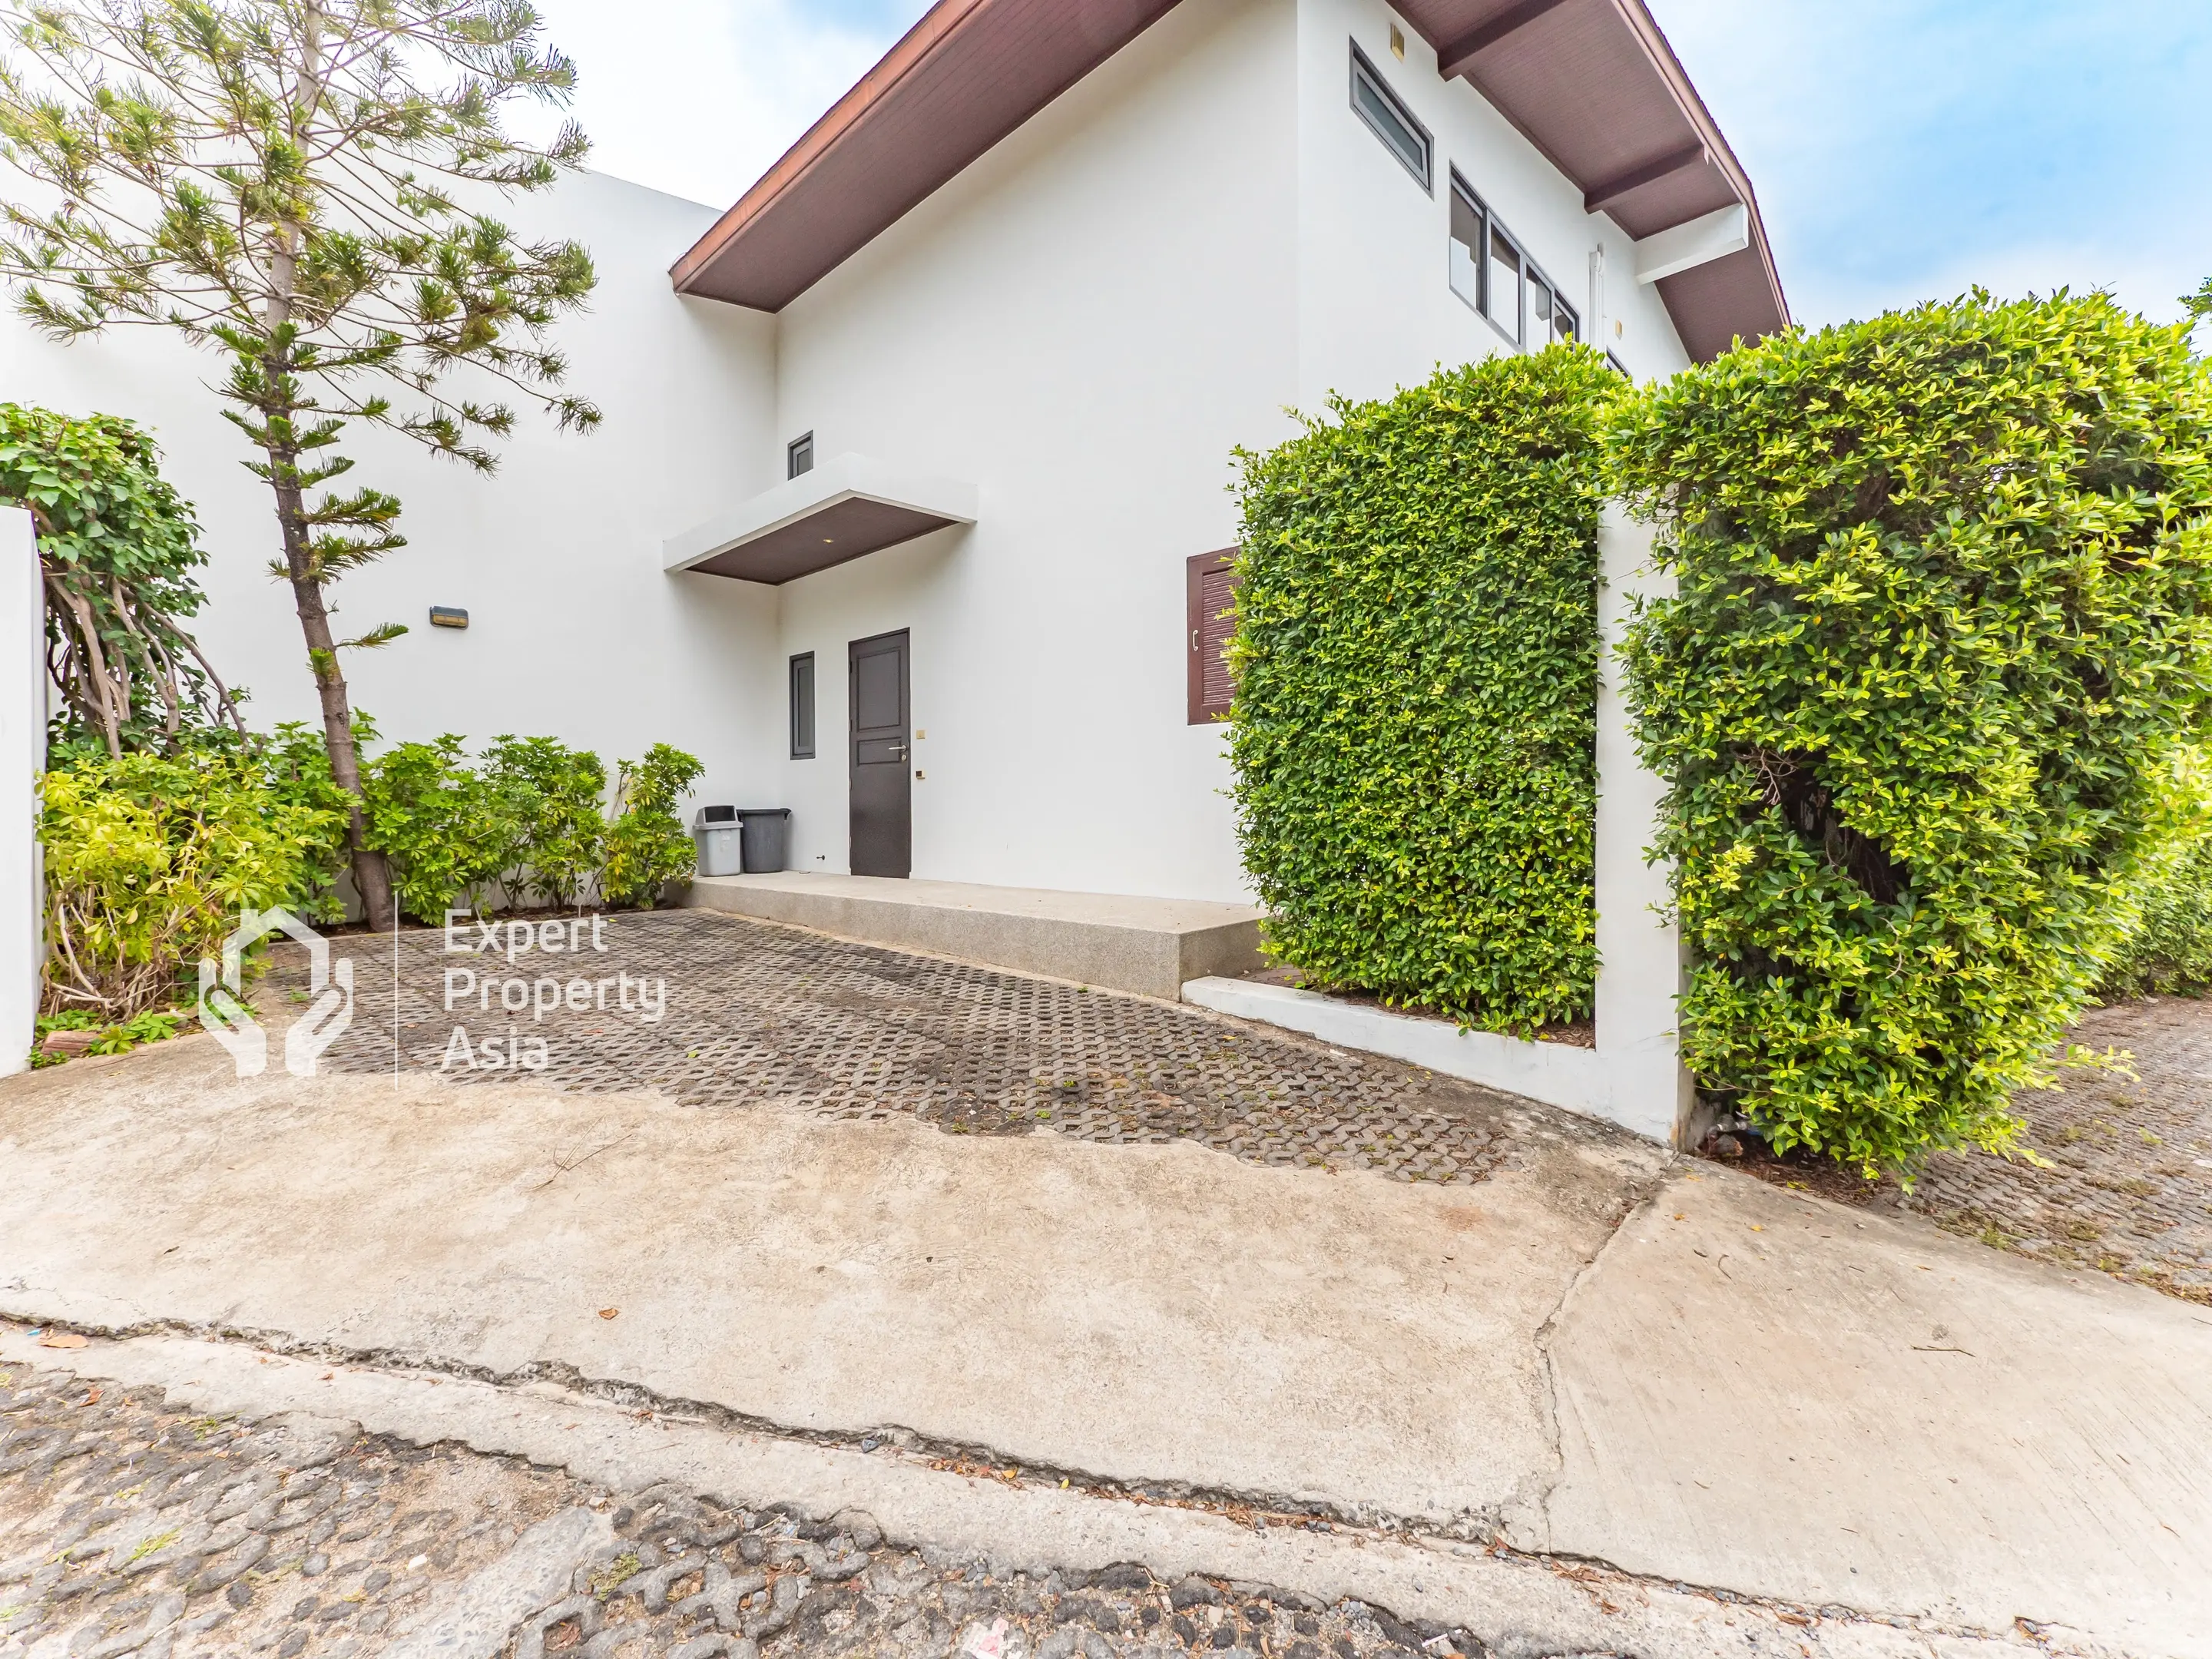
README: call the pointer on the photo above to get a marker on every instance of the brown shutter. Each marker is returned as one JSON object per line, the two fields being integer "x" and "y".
{"x": 1209, "y": 620}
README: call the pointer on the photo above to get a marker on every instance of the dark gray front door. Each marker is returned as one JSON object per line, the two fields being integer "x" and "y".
{"x": 882, "y": 782}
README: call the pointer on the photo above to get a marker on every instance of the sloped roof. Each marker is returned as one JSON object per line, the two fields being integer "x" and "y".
{"x": 1592, "y": 83}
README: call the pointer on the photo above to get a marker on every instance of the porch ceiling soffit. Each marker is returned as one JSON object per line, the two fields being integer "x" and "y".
{"x": 847, "y": 508}
{"x": 1592, "y": 83}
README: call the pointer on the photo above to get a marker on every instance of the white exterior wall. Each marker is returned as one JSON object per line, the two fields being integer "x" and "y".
{"x": 574, "y": 631}
{"x": 1377, "y": 311}
{"x": 1084, "y": 324}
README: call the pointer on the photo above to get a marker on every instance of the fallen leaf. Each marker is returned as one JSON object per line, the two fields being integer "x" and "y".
{"x": 1756, "y": 1228}
{"x": 64, "y": 1339}
{"x": 1678, "y": 1217}
{"x": 608, "y": 1313}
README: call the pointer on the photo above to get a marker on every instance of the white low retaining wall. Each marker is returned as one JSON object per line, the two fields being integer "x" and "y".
{"x": 1634, "y": 1076}
{"x": 1556, "y": 1074}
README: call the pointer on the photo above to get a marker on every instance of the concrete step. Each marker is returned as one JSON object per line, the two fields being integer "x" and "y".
{"x": 1119, "y": 943}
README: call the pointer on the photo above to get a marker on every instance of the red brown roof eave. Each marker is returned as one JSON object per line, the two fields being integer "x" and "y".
{"x": 971, "y": 71}
{"x": 936, "y": 25}
{"x": 966, "y": 75}
{"x": 1638, "y": 18}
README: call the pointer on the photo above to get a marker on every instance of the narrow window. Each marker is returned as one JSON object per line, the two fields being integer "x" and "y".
{"x": 799, "y": 456}
{"x": 1564, "y": 324}
{"x": 1501, "y": 285}
{"x": 1394, "y": 124}
{"x": 1469, "y": 248}
{"x": 1210, "y": 616}
{"x": 802, "y": 705}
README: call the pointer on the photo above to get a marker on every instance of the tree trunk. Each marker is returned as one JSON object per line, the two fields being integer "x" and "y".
{"x": 371, "y": 877}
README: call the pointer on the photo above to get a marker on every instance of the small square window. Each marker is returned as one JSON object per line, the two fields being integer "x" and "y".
{"x": 802, "y": 705}
{"x": 799, "y": 456}
{"x": 1392, "y": 122}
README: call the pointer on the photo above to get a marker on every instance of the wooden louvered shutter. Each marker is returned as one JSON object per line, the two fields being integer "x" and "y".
{"x": 1212, "y": 593}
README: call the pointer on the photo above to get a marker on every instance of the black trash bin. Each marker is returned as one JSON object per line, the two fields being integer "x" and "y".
{"x": 764, "y": 837}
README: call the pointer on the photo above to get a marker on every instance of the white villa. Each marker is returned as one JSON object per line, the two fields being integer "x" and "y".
{"x": 908, "y": 508}
{"x": 945, "y": 406}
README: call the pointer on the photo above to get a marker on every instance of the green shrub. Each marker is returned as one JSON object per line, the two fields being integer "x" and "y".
{"x": 117, "y": 549}
{"x": 556, "y": 794}
{"x": 528, "y": 820}
{"x": 2167, "y": 947}
{"x": 447, "y": 831}
{"x": 149, "y": 859}
{"x": 1415, "y": 715}
{"x": 112, "y": 1038}
{"x": 1942, "y": 620}
{"x": 647, "y": 847}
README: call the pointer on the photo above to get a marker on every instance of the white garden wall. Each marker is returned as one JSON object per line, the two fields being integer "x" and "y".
{"x": 22, "y": 757}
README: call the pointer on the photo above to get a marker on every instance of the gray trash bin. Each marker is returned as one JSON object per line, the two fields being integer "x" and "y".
{"x": 716, "y": 831}
{"x": 766, "y": 837}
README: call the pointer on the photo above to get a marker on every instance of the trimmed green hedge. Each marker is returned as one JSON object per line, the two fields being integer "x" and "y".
{"x": 1945, "y": 582}
{"x": 2167, "y": 949}
{"x": 1415, "y": 717}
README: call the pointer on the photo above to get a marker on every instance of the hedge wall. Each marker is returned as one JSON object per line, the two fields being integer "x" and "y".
{"x": 2167, "y": 947}
{"x": 1942, "y": 622}
{"x": 1415, "y": 716}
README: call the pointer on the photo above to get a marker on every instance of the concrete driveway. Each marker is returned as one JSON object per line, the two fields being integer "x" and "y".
{"x": 1592, "y": 1350}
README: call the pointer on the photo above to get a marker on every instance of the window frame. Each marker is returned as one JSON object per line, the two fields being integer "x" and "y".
{"x": 1425, "y": 175}
{"x": 802, "y": 683}
{"x": 1486, "y": 226}
{"x": 800, "y": 449}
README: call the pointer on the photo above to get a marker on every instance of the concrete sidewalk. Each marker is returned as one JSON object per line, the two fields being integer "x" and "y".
{"x": 1768, "y": 1395}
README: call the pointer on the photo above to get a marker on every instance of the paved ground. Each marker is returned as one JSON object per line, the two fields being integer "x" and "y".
{"x": 757, "y": 1014}
{"x": 127, "y": 1526}
{"x": 1412, "y": 1390}
{"x": 2125, "y": 1183}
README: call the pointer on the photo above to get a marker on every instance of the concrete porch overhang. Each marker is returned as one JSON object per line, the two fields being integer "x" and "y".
{"x": 847, "y": 508}
{"x": 1152, "y": 946}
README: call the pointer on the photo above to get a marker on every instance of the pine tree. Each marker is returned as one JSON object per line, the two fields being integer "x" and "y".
{"x": 303, "y": 188}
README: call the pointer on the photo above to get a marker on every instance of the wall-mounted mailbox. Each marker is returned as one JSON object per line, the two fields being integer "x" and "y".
{"x": 446, "y": 616}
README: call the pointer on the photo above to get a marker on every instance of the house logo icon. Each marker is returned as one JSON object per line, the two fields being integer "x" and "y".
{"x": 330, "y": 988}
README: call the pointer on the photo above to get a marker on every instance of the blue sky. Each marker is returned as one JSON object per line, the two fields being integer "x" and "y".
{"x": 1905, "y": 150}
{"x": 1902, "y": 149}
